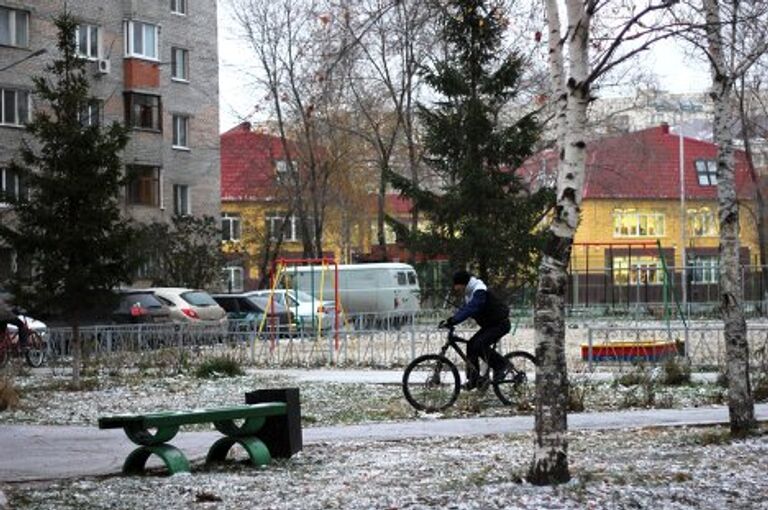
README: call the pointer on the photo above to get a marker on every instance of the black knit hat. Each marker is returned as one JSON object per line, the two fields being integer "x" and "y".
{"x": 461, "y": 277}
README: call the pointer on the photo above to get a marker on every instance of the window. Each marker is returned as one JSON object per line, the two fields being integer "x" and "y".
{"x": 141, "y": 40}
{"x": 180, "y": 130}
{"x": 643, "y": 270}
{"x": 230, "y": 227}
{"x": 179, "y": 6}
{"x": 11, "y": 185}
{"x": 90, "y": 114}
{"x": 402, "y": 279}
{"x": 14, "y": 107}
{"x": 179, "y": 64}
{"x": 233, "y": 278}
{"x": 291, "y": 228}
{"x": 703, "y": 268}
{"x": 14, "y": 27}
{"x": 181, "y": 199}
{"x": 702, "y": 222}
{"x": 143, "y": 111}
{"x": 87, "y": 41}
{"x": 283, "y": 170}
{"x": 632, "y": 223}
{"x": 706, "y": 171}
{"x": 143, "y": 185}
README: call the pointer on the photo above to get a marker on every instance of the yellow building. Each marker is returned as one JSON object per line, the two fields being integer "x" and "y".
{"x": 633, "y": 211}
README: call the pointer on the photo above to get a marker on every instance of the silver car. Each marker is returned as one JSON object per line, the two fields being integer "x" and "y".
{"x": 191, "y": 305}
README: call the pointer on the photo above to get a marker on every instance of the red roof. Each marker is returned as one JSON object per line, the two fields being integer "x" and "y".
{"x": 643, "y": 164}
{"x": 247, "y": 163}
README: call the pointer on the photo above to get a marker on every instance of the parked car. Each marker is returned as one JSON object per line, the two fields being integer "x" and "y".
{"x": 309, "y": 311}
{"x": 191, "y": 305}
{"x": 247, "y": 313}
{"x": 140, "y": 307}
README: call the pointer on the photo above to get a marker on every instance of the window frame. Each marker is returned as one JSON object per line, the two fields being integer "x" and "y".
{"x": 231, "y": 227}
{"x": 641, "y": 218}
{"x": 706, "y": 172}
{"x": 178, "y": 120}
{"x": 184, "y": 77}
{"x": 179, "y": 7}
{"x": 706, "y": 218}
{"x": 148, "y": 185}
{"x": 182, "y": 205}
{"x": 231, "y": 282}
{"x": 157, "y": 110}
{"x": 89, "y": 43}
{"x": 89, "y": 117}
{"x": 290, "y": 227}
{"x": 130, "y": 40}
{"x": 645, "y": 270}
{"x": 704, "y": 269}
{"x": 13, "y": 27}
{"x": 17, "y": 121}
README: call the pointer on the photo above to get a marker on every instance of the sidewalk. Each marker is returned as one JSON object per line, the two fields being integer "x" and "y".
{"x": 38, "y": 452}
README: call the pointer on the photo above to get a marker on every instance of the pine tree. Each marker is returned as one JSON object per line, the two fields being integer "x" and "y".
{"x": 69, "y": 233}
{"x": 483, "y": 217}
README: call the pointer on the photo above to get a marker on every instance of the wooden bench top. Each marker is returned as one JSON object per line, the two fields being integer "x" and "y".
{"x": 173, "y": 418}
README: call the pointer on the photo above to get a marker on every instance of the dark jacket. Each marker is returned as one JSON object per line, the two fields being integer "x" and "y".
{"x": 481, "y": 305}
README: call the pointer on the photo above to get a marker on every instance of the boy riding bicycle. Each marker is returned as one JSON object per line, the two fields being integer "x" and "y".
{"x": 493, "y": 318}
{"x": 7, "y": 316}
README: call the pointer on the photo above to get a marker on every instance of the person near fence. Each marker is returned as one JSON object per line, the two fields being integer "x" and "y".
{"x": 491, "y": 315}
{"x": 8, "y": 316}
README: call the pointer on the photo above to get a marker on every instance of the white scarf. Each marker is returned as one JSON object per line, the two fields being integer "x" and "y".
{"x": 473, "y": 285}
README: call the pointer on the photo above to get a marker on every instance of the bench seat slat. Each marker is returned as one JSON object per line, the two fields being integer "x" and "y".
{"x": 169, "y": 418}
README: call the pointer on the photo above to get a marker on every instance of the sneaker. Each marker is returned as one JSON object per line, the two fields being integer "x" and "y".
{"x": 469, "y": 385}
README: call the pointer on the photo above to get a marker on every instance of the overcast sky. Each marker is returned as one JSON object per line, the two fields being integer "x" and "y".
{"x": 676, "y": 72}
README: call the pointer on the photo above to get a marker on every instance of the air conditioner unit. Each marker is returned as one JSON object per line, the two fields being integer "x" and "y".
{"x": 102, "y": 66}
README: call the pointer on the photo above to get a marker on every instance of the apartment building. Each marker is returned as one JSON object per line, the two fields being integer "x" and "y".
{"x": 153, "y": 65}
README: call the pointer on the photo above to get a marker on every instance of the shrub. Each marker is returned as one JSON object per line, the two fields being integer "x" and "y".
{"x": 220, "y": 366}
{"x": 677, "y": 372}
{"x": 9, "y": 396}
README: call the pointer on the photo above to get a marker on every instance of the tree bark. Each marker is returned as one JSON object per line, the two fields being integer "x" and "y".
{"x": 740, "y": 402}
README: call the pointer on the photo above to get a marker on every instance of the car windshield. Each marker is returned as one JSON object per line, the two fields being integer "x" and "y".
{"x": 198, "y": 298}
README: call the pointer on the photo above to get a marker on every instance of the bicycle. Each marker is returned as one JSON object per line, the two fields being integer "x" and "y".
{"x": 431, "y": 382}
{"x": 34, "y": 351}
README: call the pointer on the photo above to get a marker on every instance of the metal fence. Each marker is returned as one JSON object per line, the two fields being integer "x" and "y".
{"x": 173, "y": 348}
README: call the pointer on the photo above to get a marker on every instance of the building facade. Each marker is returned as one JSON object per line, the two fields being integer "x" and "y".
{"x": 650, "y": 204}
{"x": 152, "y": 65}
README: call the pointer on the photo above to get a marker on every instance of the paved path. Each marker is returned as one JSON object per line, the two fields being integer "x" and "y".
{"x": 36, "y": 452}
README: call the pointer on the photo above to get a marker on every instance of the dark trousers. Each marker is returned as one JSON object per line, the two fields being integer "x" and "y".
{"x": 481, "y": 346}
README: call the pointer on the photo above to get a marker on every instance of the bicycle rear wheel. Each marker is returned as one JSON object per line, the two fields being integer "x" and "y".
{"x": 517, "y": 388}
{"x": 431, "y": 383}
{"x": 35, "y": 349}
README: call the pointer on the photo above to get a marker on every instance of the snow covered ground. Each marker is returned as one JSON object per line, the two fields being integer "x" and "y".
{"x": 682, "y": 468}
{"x": 663, "y": 468}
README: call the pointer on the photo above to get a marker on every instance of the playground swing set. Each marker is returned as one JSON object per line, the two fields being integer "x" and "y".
{"x": 279, "y": 279}
{"x": 644, "y": 350}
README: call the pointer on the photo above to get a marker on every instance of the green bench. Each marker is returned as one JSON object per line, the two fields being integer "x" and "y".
{"x": 166, "y": 424}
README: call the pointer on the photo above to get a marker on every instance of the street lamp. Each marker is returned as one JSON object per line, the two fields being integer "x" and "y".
{"x": 683, "y": 218}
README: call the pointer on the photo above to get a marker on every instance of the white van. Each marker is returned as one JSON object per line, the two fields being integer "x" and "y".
{"x": 388, "y": 289}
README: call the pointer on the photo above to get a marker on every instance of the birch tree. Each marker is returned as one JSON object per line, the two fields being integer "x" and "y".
{"x": 733, "y": 40}
{"x": 616, "y": 32}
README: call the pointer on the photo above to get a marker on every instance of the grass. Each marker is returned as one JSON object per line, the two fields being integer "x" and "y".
{"x": 220, "y": 366}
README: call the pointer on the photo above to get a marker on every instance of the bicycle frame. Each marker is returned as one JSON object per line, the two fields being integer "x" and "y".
{"x": 452, "y": 342}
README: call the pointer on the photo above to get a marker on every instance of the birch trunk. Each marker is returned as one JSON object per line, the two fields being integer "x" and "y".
{"x": 550, "y": 459}
{"x": 740, "y": 403}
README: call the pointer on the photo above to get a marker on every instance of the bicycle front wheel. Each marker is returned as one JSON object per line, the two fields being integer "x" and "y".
{"x": 431, "y": 383}
{"x": 35, "y": 349}
{"x": 517, "y": 388}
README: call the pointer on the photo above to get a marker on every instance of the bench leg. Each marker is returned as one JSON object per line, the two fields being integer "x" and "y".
{"x": 257, "y": 450}
{"x": 171, "y": 456}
